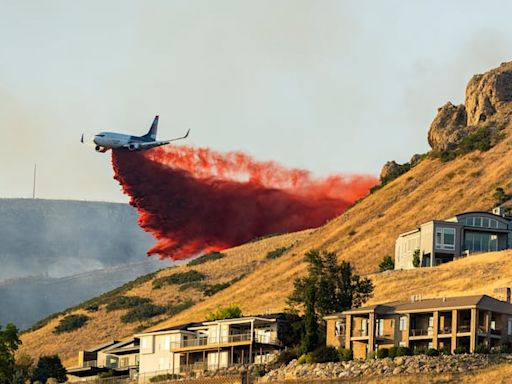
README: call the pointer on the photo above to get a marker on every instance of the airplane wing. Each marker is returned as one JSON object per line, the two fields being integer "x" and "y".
{"x": 152, "y": 144}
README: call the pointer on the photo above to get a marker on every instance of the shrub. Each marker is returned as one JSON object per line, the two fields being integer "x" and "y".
{"x": 164, "y": 377}
{"x": 287, "y": 355}
{"x": 403, "y": 351}
{"x": 416, "y": 258}
{"x": 230, "y": 312}
{"x": 104, "y": 375}
{"x": 352, "y": 232}
{"x": 382, "y": 353}
{"x": 307, "y": 358}
{"x": 460, "y": 350}
{"x": 444, "y": 351}
{"x": 210, "y": 290}
{"x": 345, "y": 354}
{"x": 215, "y": 255}
{"x": 278, "y": 252}
{"x": 177, "y": 308}
{"x": 179, "y": 278}
{"x": 387, "y": 264}
{"x": 143, "y": 312}
{"x": 418, "y": 351}
{"x": 325, "y": 354}
{"x": 482, "y": 348}
{"x": 504, "y": 348}
{"x": 70, "y": 323}
{"x": 92, "y": 308}
{"x": 500, "y": 197}
{"x": 392, "y": 352}
{"x": 49, "y": 366}
{"x": 432, "y": 352}
{"x": 126, "y": 302}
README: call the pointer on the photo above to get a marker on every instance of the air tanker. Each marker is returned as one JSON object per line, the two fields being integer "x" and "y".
{"x": 112, "y": 140}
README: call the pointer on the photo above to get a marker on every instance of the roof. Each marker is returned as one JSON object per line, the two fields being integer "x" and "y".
{"x": 476, "y": 301}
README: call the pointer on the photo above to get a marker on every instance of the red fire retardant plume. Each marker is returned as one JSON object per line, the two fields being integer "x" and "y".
{"x": 196, "y": 200}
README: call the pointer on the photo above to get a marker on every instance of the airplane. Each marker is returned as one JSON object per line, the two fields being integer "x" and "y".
{"x": 112, "y": 140}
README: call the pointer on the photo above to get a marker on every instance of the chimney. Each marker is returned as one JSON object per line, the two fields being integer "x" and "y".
{"x": 500, "y": 211}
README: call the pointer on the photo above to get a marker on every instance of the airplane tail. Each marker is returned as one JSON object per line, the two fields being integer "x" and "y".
{"x": 151, "y": 135}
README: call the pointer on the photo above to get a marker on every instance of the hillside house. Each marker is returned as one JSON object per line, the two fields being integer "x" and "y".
{"x": 208, "y": 345}
{"x": 120, "y": 357}
{"x": 443, "y": 323}
{"x": 437, "y": 242}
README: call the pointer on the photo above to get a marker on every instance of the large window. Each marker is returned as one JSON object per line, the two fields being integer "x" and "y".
{"x": 484, "y": 222}
{"x": 445, "y": 238}
{"x": 480, "y": 242}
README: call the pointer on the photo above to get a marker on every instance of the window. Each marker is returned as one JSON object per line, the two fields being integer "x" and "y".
{"x": 485, "y": 222}
{"x": 337, "y": 328}
{"x": 380, "y": 327}
{"x": 480, "y": 242}
{"x": 470, "y": 221}
{"x": 364, "y": 325}
{"x": 509, "y": 327}
{"x": 144, "y": 343}
{"x": 478, "y": 221}
{"x": 403, "y": 323}
{"x": 445, "y": 238}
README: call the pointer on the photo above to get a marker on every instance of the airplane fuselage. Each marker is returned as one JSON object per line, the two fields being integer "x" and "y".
{"x": 113, "y": 140}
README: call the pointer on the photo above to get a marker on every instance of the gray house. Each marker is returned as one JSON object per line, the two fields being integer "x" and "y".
{"x": 438, "y": 242}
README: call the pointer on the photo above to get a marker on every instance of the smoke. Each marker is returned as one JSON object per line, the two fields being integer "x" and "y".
{"x": 196, "y": 200}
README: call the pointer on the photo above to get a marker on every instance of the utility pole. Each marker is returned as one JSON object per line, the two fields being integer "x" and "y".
{"x": 34, "y": 184}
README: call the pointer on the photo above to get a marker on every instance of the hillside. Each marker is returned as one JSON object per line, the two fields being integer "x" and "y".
{"x": 57, "y": 253}
{"x": 362, "y": 235}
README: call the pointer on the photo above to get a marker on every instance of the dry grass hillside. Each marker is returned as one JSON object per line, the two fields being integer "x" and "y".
{"x": 362, "y": 235}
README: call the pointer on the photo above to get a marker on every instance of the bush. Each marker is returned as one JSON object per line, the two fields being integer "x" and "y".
{"x": 177, "y": 308}
{"x": 230, "y": 312}
{"x": 210, "y": 290}
{"x": 416, "y": 258}
{"x": 403, "y": 351}
{"x": 504, "y": 348}
{"x": 387, "y": 264}
{"x": 444, "y": 351}
{"x": 126, "y": 302}
{"x": 287, "y": 355}
{"x": 49, "y": 366}
{"x": 215, "y": 255}
{"x": 345, "y": 354}
{"x": 326, "y": 354}
{"x": 70, "y": 323}
{"x": 278, "y": 252}
{"x": 143, "y": 312}
{"x": 382, "y": 353}
{"x": 307, "y": 358}
{"x": 460, "y": 350}
{"x": 392, "y": 352}
{"x": 92, "y": 308}
{"x": 432, "y": 352}
{"x": 164, "y": 377}
{"x": 418, "y": 351}
{"x": 179, "y": 278}
{"x": 482, "y": 348}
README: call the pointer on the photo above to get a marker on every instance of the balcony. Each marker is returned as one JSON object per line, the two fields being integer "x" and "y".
{"x": 421, "y": 332}
{"x": 90, "y": 363}
{"x": 230, "y": 339}
{"x": 360, "y": 333}
{"x": 464, "y": 328}
{"x": 445, "y": 330}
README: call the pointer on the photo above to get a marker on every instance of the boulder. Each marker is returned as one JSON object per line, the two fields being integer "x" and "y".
{"x": 489, "y": 93}
{"x": 448, "y": 128}
{"x": 389, "y": 169}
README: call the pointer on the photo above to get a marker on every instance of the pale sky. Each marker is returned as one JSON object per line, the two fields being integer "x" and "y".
{"x": 330, "y": 86}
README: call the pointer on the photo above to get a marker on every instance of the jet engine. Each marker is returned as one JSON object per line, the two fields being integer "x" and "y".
{"x": 133, "y": 147}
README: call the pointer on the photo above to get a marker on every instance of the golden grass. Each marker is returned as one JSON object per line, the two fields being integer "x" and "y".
{"x": 431, "y": 190}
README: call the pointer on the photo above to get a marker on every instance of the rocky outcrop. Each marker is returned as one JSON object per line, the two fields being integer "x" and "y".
{"x": 489, "y": 94}
{"x": 448, "y": 128}
{"x": 389, "y": 169}
{"x": 386, "y": 367}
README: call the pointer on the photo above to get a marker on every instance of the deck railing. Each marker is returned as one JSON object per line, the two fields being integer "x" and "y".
{"x": 237, "y": 338}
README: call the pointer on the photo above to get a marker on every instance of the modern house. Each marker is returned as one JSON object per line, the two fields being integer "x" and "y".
{"x": 437, "y": 242}
{"x": 443, "y": 323}
{"x": 120, "y": 357}
{"x": 208, "y": 345}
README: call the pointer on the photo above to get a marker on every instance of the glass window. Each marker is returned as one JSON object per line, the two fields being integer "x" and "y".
{"x": 493, "y": 223}
{"x": 485, "y": 222}
{"x": 478, "y": 221}
{"x": 403, "y": 322}
{"x": 470, "y": 221}
{"x": 509, "y": 327}
{"x": 445, "y": 238}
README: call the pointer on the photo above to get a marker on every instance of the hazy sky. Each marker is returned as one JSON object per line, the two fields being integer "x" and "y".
{"x": 331, "y": 86}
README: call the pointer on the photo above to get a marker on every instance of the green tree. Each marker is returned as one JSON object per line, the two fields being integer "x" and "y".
{"x": 23, "y": 368}
{"x": 328, "y": 287}
{"x": 9, "y": 343}
{"x": 49, "y": 366}
{"x": 387, "y": 264}
{"x": 229, "y": 312}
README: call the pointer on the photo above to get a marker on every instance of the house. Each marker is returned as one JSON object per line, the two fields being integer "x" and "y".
{"x": 442, "y": 323}
{"x": 208, "y": 345}
{"x": 437, "y": 242}
{"x": 120, "y": 357}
